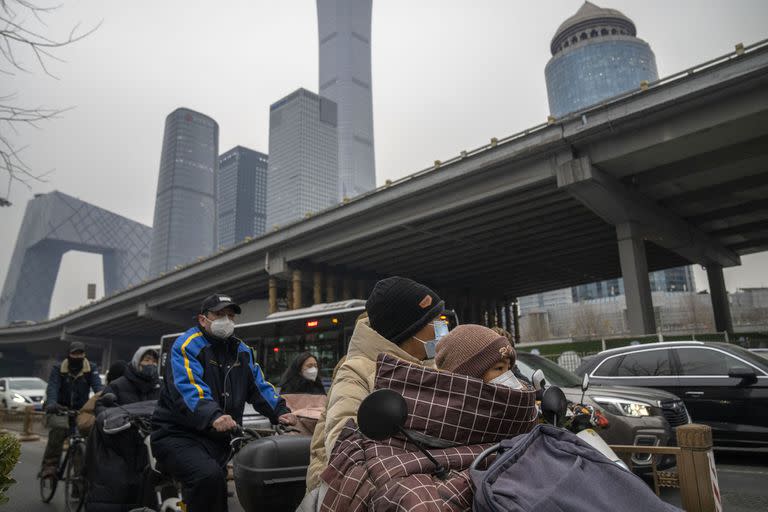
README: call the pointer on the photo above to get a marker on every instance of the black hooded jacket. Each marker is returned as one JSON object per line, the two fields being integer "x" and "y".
{"x": 134, "y": 387}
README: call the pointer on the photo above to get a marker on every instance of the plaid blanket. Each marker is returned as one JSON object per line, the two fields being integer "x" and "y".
{"x": 457, "y": 410}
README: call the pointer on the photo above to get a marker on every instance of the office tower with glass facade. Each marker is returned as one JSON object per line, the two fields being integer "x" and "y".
{"x": 302, "y": 175}
{"x": 344, "y": 29}
{"x": 596, "y": 55}
{"x": 241, "y": 196}
{"x": 185, "y": 206}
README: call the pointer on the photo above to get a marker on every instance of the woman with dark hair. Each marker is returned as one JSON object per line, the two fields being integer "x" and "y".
{"x": 302, "y": 376}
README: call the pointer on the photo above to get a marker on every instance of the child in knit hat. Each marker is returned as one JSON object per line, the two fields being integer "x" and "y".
{"x": 479, "y": 352}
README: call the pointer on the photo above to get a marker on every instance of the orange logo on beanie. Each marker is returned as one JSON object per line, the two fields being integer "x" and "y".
{"x": 425, "y": 302}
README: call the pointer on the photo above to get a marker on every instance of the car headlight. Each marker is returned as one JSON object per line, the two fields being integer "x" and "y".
{"x": 18, "y": 398}
{"x": 623, "y": 406}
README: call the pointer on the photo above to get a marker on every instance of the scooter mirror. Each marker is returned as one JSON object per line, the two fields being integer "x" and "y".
{"x": 382, "y": 414}
{"x": 108, "y": 399}
{"x": 585, "y": 383}
{"x": 538, "y": 380}
{"x": 553, "y": 404}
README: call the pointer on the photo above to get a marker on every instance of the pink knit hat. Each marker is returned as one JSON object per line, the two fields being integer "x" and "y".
{"x": 472, "y": 350}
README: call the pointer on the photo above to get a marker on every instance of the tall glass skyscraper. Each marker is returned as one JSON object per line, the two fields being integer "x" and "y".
{"x": 241, "y": 195}
{"x": 345, "y": 77}
{"x": 596, "y": 54}
{"x": 185, "y": 205}
{"x": 302, "y": 174}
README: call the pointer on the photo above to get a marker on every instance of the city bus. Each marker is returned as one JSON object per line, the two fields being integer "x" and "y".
{"x": 322, "y": 329}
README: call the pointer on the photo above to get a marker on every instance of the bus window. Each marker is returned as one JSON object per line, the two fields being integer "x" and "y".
{"x": 325, "y": 347}
{"x": 279, "y": 353}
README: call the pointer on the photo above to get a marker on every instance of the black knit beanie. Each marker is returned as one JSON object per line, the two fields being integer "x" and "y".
{"x": 398, "y": 308}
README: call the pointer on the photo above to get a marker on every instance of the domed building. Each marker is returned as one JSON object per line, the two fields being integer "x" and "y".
{"x": 596, "y": 55}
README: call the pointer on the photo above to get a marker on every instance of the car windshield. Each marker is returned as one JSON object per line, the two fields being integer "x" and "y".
{"x": 555, "y": 375}
{"x": 31, "y": 383}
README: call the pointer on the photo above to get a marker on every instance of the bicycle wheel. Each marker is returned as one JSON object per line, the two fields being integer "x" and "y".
{"x": 74, "y": 484}
{"x": 48, "y": 487}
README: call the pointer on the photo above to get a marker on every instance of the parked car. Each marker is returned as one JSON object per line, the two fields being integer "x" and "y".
{"x": 18, "y": 392}
{"x": 638, "y": 416}
{"x": 763, "y": 352}
{"x": 723, "y": 385}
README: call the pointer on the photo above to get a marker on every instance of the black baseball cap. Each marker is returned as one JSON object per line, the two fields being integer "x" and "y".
{"x": 217, "y": 302}
{"x": 76, "y": 346}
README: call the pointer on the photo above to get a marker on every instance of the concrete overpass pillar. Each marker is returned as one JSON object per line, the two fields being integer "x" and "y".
{"x": 330, "y": 287}
{"x": 346, "y": 288}
{"x": 272, "y": 295}
{"x": 720, "y": 306}
{"x": 516, "y": 320}
{"x": 296, "y": 282}
{"x": 317, "y": 289}
{"x": 361, "y": 289}
{"x": 505, "y": 315}
{"x": 637, "y": 285}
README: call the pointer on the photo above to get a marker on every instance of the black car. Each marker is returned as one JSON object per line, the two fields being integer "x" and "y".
{"x": 723, "y": 385}
{"x": 639, "y": 416}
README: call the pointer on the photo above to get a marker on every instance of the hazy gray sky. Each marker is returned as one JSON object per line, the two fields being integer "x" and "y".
{"x": 447, "y": 75}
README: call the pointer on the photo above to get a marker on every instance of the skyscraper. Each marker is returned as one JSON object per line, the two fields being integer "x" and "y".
{"x": 345, "y": 77}
{"x": 54, "y": 224}
{"x": 596, "y": 54}
{"x": 241, "y": 195}
{"x": 302, "y": 174}
{"x": 185, "y": 206}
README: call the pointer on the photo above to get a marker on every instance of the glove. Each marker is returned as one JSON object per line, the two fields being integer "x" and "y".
{"x": 52, "y": 408}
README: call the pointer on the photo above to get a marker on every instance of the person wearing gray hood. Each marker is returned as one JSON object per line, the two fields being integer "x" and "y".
{"x": 141, "y": 380}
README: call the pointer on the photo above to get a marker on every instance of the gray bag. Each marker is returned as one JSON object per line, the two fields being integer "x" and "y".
{"x": 551, "y": 470}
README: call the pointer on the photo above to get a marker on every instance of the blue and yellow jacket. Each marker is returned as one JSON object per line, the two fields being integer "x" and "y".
{"x": 207, "y": 378}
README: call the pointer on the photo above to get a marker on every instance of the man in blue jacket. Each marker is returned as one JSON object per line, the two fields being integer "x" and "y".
{"x": 69, "y": 385}
{"x": 209, "y": 377}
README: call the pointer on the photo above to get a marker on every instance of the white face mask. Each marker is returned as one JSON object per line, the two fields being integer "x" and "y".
{"x": 309, "y": 373}
{"x": 507, "y": 379}
{"x": 222, "y": 327}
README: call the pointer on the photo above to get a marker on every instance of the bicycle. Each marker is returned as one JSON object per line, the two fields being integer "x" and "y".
{"x": 70, "y": 469}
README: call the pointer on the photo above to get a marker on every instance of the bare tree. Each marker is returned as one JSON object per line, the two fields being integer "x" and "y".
{"x": 22, "y": 28}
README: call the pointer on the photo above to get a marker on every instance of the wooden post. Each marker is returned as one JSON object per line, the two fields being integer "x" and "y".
{"x": 699, "y": 488}
{"x": 318, "y": 287}
{"x": 272, "y": 295}
{"x": 27, "y": 434}
{"x": 296, "y": 289}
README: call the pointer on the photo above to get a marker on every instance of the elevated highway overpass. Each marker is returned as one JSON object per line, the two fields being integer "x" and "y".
{"x": 671, "y": 174}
